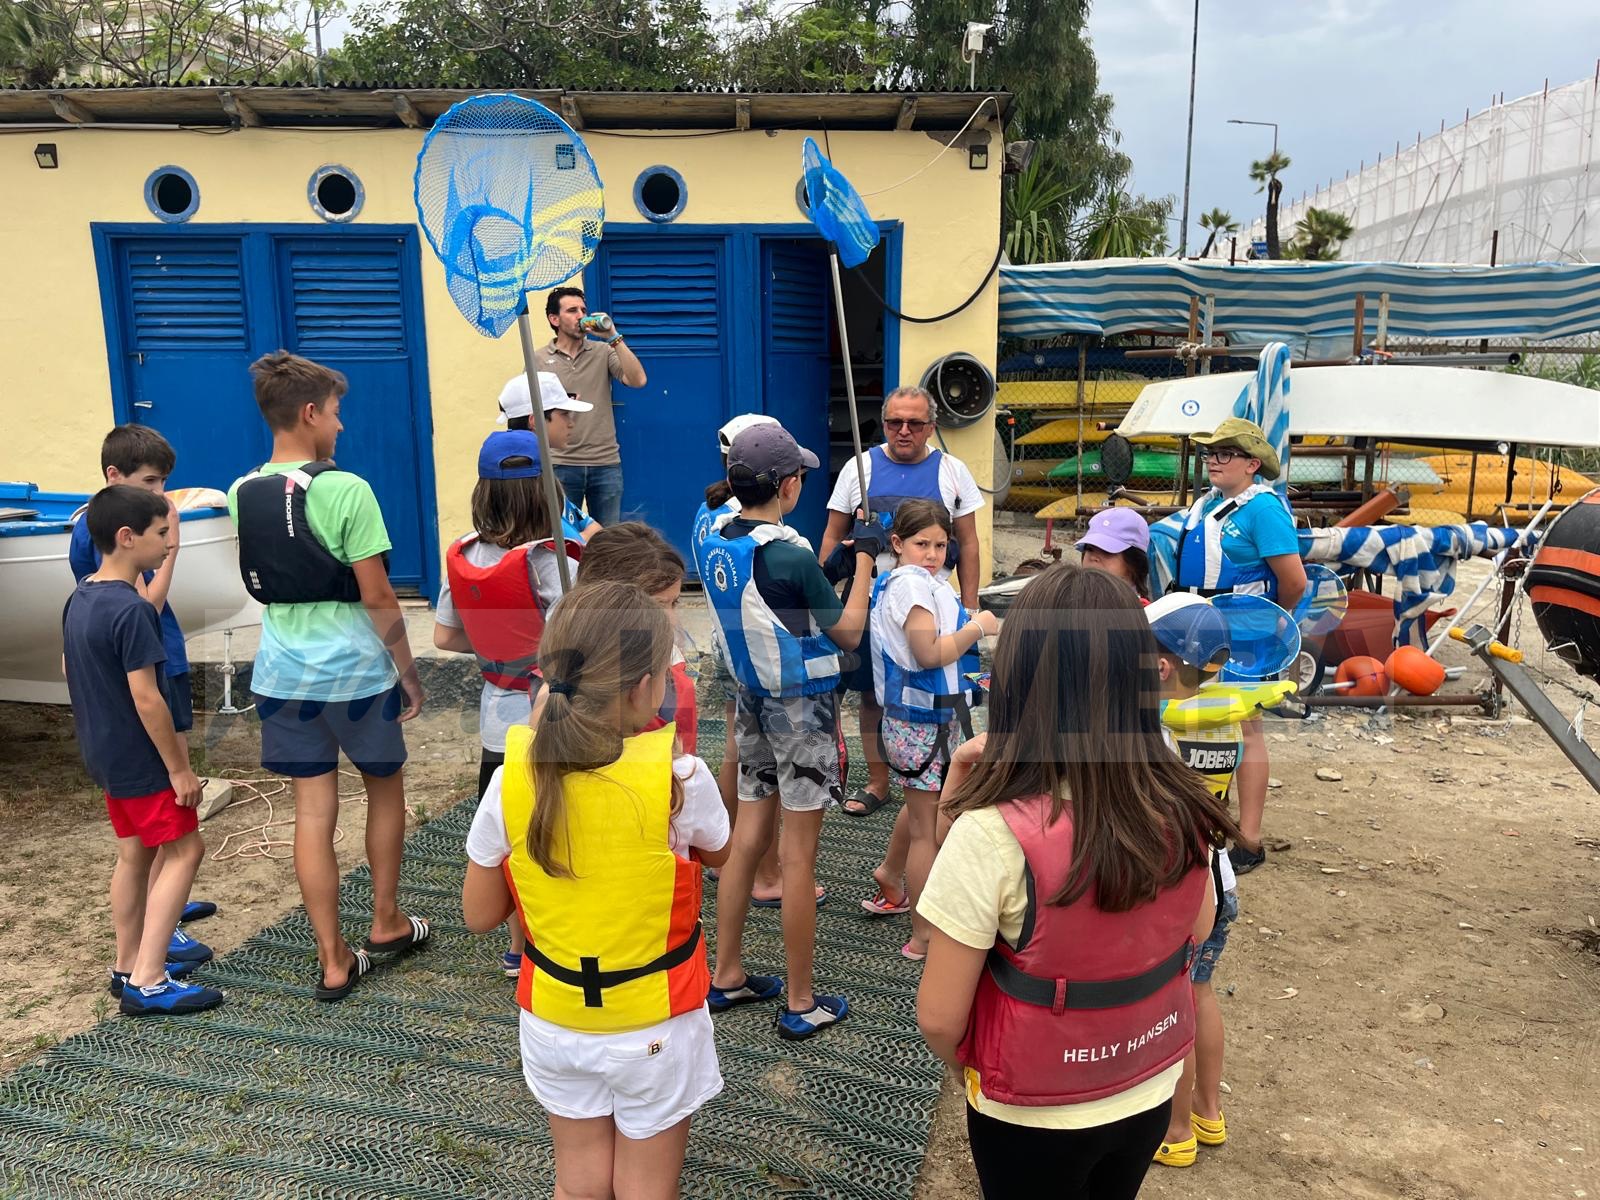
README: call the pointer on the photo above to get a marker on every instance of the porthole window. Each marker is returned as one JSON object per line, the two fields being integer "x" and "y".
{"x": 172, "y": 194}
{"x": 335, "y": 193}
{"x": 802, "y": 198}
{"x": 660, "y": 194}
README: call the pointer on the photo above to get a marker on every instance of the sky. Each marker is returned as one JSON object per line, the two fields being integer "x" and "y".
{"x": 1344, "y": 80}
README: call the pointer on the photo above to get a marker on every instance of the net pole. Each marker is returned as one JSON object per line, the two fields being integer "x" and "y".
{"x": 849, "y": 380}
{"x": 547, "y": 471}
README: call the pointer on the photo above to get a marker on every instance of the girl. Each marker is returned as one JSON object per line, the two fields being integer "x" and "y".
{"x": 1078, "y": 855}
{"x": 500, "y": 581}
{"x": 920, "y": 631}
{"x": 1118, "y": 542}
{"x": 592, "y": 836}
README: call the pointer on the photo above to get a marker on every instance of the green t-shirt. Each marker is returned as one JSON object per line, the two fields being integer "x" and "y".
{"x": 328, "y": 649}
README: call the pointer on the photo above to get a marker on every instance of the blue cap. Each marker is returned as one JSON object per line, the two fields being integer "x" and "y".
{"x": 509, "y": 443}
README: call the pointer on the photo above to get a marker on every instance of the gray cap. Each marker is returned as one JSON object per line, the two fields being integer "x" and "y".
{"x": 769, "y": 453}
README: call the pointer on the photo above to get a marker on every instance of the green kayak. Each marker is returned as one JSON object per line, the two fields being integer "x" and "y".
{"x": 1163, "y": 465}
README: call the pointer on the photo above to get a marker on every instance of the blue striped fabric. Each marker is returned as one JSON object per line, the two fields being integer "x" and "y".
{"x": 1298, "y": 300}
{"x": 1265, "y": 400}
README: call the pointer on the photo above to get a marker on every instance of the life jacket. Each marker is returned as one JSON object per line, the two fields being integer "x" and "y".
{"x": 679, "y": 707}
{"x": 892, "y": 483}
{"x": 924, "y": 695}
{"x": 761, "y": 653}
{"x": 280, "y": 559}
{"x": 705, "y": 524}
{"x": 573, "y": 522}
{"x": 1088, "y": 1003}
{"x": 1201, "y": 566}
{"x": 500, "y": 610}
{"x": 617, "y": 944}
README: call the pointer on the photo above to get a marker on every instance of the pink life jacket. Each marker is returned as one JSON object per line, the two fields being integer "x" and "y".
{"x": 1089, "y": 1003}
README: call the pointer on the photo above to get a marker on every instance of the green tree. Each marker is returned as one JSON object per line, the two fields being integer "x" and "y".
{"x": 35, "y": 43}
{"x": 831, "y": 44}
{"x": 1217, "y": 221}
{"x": 1319, "y": 234}
{"x": 1034, "y": 212}
{"x": 1265, "y": 171}
{"x": 1124, "y": 226}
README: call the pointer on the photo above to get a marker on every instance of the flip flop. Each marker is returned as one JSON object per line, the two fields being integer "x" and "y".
{"x": 362, "y": 964}
{"x": 907, "y": 952}
{"x": 822, "y": 898}
{"x": 870, "y": 803}
{"x": 879, "y": 905}
{"x": 198, "y": 910}
{"x": 409, "y": 941}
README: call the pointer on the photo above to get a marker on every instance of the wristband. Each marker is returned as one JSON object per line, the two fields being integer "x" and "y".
{"x": 614, "y": 340}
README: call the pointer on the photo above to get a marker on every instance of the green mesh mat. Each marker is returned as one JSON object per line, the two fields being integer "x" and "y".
{"x": 412, "y": 1086}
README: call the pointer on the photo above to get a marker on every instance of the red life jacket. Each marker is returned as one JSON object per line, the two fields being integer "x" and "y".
{"x": 1090, "y": 1003}
{"x": 679, "y": 706}
{"x": 500, "y": 610}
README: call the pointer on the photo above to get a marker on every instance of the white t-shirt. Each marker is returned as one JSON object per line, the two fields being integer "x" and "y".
{"x": 909, "y": 588}
{"x": 501, "y": 708}
{"x": 957, "y": 488}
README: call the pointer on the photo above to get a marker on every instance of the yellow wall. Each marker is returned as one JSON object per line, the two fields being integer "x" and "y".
{"x": 55, "y": 395}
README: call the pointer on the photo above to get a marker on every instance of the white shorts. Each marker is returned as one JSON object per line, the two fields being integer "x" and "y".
{"x": 646, "y": 1081}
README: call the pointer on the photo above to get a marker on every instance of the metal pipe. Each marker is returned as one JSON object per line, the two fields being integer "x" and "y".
{"x": 1320, "y": 701}
{"x": 547, "y": 468}
{"x": 849, "y": 381}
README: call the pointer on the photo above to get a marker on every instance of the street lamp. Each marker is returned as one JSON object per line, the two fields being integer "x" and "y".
{"x": 1274, "y": 124}
{"x": 1188, "y": 147}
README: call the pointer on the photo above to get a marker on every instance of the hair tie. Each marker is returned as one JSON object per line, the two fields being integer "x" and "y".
{"x": 560, "y": 687}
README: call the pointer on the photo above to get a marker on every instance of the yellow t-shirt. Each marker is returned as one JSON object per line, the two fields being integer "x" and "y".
{"x": 975, "y": 893}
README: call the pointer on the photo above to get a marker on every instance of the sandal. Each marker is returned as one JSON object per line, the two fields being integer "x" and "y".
{"x": 914, "y": 955}
{"x": 753, "y": 989}
{"x": 1176, "y": 1154}
{"x": 822, "y": 898}
{"x": 360, "y": 966}
{"x": 869, "y": 801}
{"x": 881, "y": 906}
{"x": 408, "y": 941}
{"x": 1208, "y": 1133}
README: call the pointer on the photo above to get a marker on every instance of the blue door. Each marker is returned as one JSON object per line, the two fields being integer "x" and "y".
{"x": 797, "y": 306}
{"x": 188, "y": 310}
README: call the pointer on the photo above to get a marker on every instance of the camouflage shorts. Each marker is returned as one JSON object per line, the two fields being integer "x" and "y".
{"x": 789, "y": 746}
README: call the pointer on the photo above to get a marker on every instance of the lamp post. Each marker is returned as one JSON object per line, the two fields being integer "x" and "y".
{"x": 1188, "y": 147}
{"x": 1274, "y": 124}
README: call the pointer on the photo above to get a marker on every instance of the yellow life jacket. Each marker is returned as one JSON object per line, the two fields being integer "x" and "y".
{"x": 617, "y": 945}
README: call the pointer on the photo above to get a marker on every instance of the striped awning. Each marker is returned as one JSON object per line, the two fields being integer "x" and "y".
{"x": 1298, "y": 301}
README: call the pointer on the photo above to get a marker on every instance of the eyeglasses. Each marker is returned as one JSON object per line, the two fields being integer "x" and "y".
{"x": 901, "y": 423}
{"x": 1221, "y": 457}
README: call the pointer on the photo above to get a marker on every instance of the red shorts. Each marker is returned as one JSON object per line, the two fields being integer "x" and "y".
{"x": 155, "y": 819}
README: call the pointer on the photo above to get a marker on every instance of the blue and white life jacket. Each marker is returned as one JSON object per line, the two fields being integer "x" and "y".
{"x": 573, "y": 522}
{"x": 761, "y": 653}
{"x": 907, "y": 692}
{"x": 705, "y": 524}
{"x": 892, "y": 483}
{"x": 1202, "y": 567}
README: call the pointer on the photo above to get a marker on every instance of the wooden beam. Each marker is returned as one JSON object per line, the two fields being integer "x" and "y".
{"x": 741, "y": 113}
{"x": 70, "y": 110}
{"x": 908, "y": 113}
{"x": 570, "y": 113}
{"x": 407, "y": 112}
{"x": 240, "y": 112}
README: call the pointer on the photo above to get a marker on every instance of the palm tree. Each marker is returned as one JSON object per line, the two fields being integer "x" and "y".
{"x": 1319, "y": 234}
{"x": 1217, "y": 221}
{"x": 1124, "y": 226}
{"x": 1265, "y": 171}
{"x": 1035, "y": 213}
{"x": 35, "y": 43}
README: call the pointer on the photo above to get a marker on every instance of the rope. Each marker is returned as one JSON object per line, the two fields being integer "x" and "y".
{"x": 264, "y": 789}
{"x": 943, "y": 150}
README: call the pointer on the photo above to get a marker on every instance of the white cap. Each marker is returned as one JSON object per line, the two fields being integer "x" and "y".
{"x": 514, "y": 401}
{"x": 738, "y": 425}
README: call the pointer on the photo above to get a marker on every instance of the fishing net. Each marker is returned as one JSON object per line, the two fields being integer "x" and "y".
{"x": 1323, "y": 606}
{"x": 1263, "y": 639}
{"x": 510, "y": 200}
{"x": 836, "y": 208}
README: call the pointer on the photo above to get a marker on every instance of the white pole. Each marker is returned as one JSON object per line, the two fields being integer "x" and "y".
{"x": 547, "y": 466}
{"x": 849, "y": 380}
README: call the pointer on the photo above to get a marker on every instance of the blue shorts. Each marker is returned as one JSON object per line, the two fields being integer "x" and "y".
{"x": 303, "y": 738}
{"x": 1205, "y": 960}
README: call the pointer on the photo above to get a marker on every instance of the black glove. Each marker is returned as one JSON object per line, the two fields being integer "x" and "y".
{"x": 869, "y": 538}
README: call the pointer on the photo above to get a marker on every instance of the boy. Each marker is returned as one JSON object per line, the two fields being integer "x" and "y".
{"x": 139, "y": 456}
{"x": 313, "y": 548}
{"x": 113, "y": 653}
{"x": 560, "y": 418}
{"x": 781, "y": 628}
{"x": 1193, "y": 645}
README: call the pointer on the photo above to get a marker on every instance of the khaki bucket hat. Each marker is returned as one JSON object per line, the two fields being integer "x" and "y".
{"x": 1245, "y": 436}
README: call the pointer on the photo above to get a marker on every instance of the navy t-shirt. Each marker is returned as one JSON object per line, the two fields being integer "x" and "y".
{"x": 85, "y": 560}
{"x": 108, "y": 630}
{"x": 791, "y": 581}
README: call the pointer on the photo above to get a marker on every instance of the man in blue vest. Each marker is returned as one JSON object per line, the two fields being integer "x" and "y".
{"x": 903, "y": 468}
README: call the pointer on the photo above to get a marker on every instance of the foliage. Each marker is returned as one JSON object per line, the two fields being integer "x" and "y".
{"x": 1034, "y": 213}
{"x": 831, "y": 44}
{"x": 1265, "y": 171}
{"x": 35, "y": 43}
{"x": 1124, "y": 226}
{"x": 1319, "y": 234}
{"x": 1217, "y": 221}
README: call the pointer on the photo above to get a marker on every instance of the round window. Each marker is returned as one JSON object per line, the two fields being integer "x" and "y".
{"x": 172, "y": 194}
{"x": 802, "y": 198}
{"x": 660, "y": 194}
{"x": 335, "y": 193}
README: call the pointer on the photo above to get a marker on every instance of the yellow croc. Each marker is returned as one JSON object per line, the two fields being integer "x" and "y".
{"x": 1177, "y": 1154}
{"x": 1209, "y": 1133}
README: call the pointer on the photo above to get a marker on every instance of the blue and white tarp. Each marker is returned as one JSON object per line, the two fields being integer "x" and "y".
{"x": 1300, "y": 301}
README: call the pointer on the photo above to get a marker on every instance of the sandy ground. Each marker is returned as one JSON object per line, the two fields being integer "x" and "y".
{"x": 1412, "y": 994}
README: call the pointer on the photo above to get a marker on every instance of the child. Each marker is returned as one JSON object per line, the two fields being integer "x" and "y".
{"x": 500, "y": 582}
{"x": 334, "y": 670}
{"x": 632, "y": 552}
{"x": 593, "y": 836}
{"x": 782, "y": 627}
{"x": 137, "y": 455}
{"x": 114, "y": 652}
{"x": 919, "y": 633}
{"x": 560, "y": 405}
{"x": 1193, "y": 641}
{"x": 1118, "y": 541}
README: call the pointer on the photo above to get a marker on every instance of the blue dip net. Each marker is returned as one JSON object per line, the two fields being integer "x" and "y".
{"x": 836, "y": 208}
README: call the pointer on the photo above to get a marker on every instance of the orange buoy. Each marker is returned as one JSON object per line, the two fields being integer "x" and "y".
{"x": 1414, "y": 671}
{"x": 1366, "y": 674}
